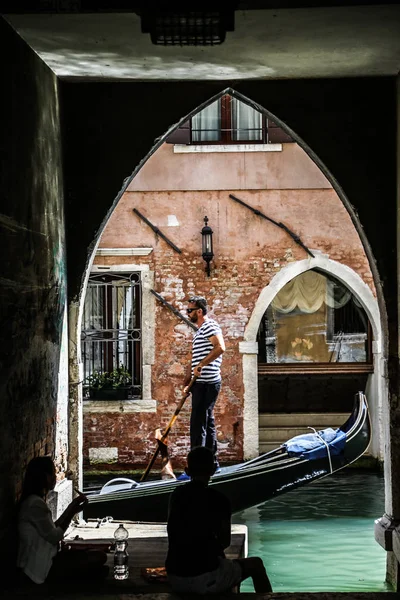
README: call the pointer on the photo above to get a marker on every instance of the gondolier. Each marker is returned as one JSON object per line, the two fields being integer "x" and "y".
{"x": 207, "y": 348}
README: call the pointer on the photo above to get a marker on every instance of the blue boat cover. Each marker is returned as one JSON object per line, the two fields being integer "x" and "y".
{"x": 310, "y": 445}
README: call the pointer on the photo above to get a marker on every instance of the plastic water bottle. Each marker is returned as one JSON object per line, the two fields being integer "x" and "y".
{"x": 121, "y": 570}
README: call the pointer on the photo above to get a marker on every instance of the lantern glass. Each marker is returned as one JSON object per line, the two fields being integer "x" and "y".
{"x": 207, "y": 243}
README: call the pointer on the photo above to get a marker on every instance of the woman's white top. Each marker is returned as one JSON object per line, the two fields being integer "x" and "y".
{"x": 38, "y": 538}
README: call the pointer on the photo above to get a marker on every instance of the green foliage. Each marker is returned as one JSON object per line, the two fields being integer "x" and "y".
{"x": 112, "y": 380}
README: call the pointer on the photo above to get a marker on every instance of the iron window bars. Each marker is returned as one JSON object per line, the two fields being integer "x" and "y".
{"x": 111, "y": 332}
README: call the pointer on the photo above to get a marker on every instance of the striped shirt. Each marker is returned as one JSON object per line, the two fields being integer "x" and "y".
{"x": 202, "y": 347}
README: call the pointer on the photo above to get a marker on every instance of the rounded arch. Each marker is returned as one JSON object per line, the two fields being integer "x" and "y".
{"x": 376, "y": 387}
{"x": 343, "y": 273}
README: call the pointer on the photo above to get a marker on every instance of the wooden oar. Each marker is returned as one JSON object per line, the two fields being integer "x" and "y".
{"x": 168, "y": 429}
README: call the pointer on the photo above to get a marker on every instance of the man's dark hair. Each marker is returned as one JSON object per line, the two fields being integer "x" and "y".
{"x": 200, "y": 302}
{"x": 200, "y": 461}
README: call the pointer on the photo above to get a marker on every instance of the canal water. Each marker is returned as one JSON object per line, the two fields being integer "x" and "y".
{"x": 321, "y": 537}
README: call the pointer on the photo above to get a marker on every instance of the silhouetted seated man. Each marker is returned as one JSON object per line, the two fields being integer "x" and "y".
{"x": 199, "y": 529}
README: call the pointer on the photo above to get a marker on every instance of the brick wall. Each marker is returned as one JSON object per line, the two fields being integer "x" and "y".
{"x": 249, "y": 251}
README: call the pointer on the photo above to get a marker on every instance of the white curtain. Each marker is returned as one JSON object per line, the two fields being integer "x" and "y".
{"x": 308, "y": 292}
{"x": 93, "y": 323}
{"x": 246, "y": 122}
{"x": 123, "y": 306}
{"x": 208, "y": 119}
{"x": 93, "y": 317}
{"x": 124, "y": 316}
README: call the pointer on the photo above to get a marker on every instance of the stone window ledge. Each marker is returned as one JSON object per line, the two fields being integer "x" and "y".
{"x": 123, "y": 251}
{"x": 184, "y": 148}
{"x": 119, "y": 406}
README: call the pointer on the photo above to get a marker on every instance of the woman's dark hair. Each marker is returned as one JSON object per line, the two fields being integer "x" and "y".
{"x": 36, "y": 480}
{"x": 200, "y": 302}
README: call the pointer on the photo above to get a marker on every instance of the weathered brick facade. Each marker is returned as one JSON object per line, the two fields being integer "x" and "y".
{"x": 249, "y": 251}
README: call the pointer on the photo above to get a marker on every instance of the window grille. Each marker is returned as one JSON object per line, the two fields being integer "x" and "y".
{"x": 111, "y": 332}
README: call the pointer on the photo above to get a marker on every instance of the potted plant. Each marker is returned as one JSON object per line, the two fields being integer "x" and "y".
{"x": 109, "y": 385}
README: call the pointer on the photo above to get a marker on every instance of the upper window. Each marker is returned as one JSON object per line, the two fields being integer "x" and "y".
{"x": 111, "y": 337}
{"x": 315, "y": 319}
{"x": 228, "y": 121}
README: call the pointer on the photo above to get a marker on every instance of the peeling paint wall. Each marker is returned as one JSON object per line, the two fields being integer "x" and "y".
{"x": 33, "y": 398}
{"x": 248, "y": 250}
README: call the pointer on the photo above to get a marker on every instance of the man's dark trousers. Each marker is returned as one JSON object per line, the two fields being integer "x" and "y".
{"x": 202, "y": 424}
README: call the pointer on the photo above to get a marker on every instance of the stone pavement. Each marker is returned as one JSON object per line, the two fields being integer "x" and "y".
{"x": 147, "y": 547}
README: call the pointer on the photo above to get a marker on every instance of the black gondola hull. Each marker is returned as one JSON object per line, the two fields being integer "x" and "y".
{"x": 247, "y": 484}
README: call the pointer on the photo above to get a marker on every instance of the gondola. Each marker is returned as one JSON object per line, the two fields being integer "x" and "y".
{"x": 279, "y": 471}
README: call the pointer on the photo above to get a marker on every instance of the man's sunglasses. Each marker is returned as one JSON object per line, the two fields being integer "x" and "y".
{"x": 190, "y": 310}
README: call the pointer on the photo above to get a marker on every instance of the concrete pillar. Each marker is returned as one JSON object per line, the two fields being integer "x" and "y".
{"x": 377, "y": 397}
{"x": 75, "y": 433}
{"x": 393, "y": 493}
{"x": 392, "y": 455}
{"x": 61, "y": 496}
{"x": 387, "y": 528}
{"x": 249, "y": 350}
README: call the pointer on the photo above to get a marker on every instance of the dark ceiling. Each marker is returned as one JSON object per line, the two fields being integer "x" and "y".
{"x": 90, "y": 6}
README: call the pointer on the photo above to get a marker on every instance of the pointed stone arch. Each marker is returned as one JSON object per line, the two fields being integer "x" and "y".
{"x": 376, "y": 386}
{"x": 249, "y": 346}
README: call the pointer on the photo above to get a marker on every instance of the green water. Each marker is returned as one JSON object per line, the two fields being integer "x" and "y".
{"x": 321, "y": 537}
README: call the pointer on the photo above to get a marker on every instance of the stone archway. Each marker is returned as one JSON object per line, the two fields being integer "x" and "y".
{"x": 377, "y": 384}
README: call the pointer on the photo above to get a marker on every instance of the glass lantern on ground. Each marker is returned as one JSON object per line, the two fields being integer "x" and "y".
{"x": 121, "y": 570}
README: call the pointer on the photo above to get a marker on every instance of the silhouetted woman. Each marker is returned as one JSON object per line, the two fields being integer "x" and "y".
{"x": 39, "y": 554}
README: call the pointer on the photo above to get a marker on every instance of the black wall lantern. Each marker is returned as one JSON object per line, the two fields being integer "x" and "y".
{"x": 207, "y": 244}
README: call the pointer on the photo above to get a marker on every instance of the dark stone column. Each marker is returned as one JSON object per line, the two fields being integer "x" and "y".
{"x": 33, "y": 276}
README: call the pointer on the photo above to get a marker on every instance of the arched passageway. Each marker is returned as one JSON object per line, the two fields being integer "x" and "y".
{"x": 248, "y": 421}
{"x": 361, "y": 158}
{"x": 202, "y": 120}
